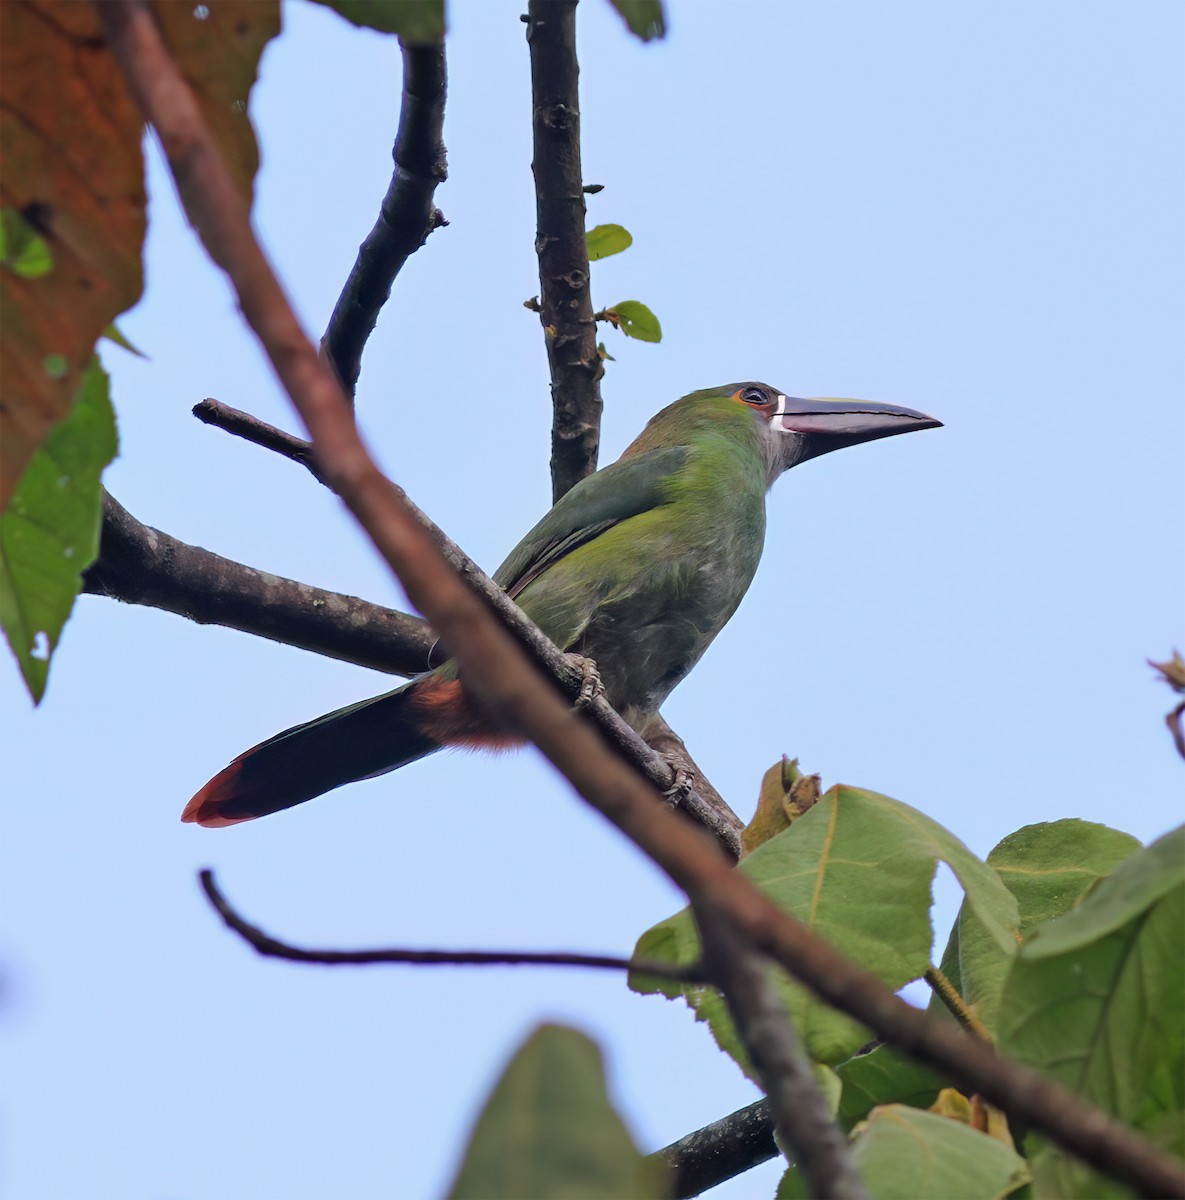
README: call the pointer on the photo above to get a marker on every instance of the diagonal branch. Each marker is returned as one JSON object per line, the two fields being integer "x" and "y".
{"x": 566, "y": 310}
{"x": 271, "y": 947}
{"x": 141, "y": 565}
{"x": 499, "y": 674}
{"x": 724, "y": 1149}
{"x": 406, "y": 216}
{"x": 797, "y": 1106}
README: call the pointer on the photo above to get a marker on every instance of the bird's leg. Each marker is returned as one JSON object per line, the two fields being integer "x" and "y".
{"x": 591, "y": 686}
{"x": 682, "y": 786}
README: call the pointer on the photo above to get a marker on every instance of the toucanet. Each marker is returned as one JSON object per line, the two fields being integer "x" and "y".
{"x": 637, "y": 568}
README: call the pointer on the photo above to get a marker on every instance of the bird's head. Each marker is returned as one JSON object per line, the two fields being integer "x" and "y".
{"x": 794, "y": 429}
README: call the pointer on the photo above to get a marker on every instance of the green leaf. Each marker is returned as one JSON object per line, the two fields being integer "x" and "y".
{"x": 644, "y": 17}
{"x": 549, "y": 1130}
{"x": 604, "y": 240}
{"x": 883, "y": 1076}
{"x": 635, "y": 320}
{"x": 1096, "y": 999}
{"x": 49, "y": 534}
{"x": 114, "y": 334}
{"x": 857, "y": 869}
{"x": 22, "y": 249}
{"x": 1047, "y": 867}
{"x": 417, "y": 22}
{"x": 905, "y": 1154}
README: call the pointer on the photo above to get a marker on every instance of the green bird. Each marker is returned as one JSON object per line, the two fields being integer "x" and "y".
{"x": 638, "y": 568}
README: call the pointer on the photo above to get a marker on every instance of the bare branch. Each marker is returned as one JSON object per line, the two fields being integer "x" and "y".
{"x": 141, "y": 565}
{"x": 796, "y": 1104}
{"x": 406, "y": 216}
{"x": 566, "y": 311}
{"x": 260, "y": 433}
{"x": 726, "y": 1148}
{"x": 498, "y": 674}
{"x": 271, "y": 947}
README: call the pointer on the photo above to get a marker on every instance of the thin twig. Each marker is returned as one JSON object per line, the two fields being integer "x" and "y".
{"x": 406, "y": 216}
{"x": 719, "y": 1151}
{"x": 260, "y": 433}
{"x": 141, "y": 565}
{"x": 271, "y": 947}
{"x": 499, "y": 675}
{"x": 800, "y": 1112}
{"x": 946, "y": 991}
{"x": 566, "y": 312}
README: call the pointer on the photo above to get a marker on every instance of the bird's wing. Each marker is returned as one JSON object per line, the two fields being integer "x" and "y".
{"x": 628, "y": 487}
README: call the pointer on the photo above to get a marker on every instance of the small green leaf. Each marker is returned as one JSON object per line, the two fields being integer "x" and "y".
{"x": 644, "y": 17}
{"x": 603, "y": 353}
{"x": 883, "y": 1076}
{"x": 856, "y": 868}
{"x": 635, "y": 320}
{"x": 1095, "y": 1000}
{"x": 905, "y": 1154}
{"x": 604, "y": 240}
{"x": 549, "y": 1130}
{"x": 1047, "y": 867}
{"x": 113, "y": 334}
{"x": 417, "y": 22}
{"x": 22, "y": 249}
{"x": 49, "y": 534}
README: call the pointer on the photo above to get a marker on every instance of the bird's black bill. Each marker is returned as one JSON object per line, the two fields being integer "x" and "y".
{"x": 826, "y": 425}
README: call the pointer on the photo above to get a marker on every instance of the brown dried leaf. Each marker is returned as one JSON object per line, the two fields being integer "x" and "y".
{"x": 73, "y": 169}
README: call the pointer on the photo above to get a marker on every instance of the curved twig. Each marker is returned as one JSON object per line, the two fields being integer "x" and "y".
{"x": 406, "y": 215}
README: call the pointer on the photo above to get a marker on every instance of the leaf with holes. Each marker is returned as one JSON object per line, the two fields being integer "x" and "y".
{"x": 604, "y": 240}
{"x": 856, "y": 869}
{"x": 549, "y": 1129}
{"x": 635, "y": 320}
{"x": 49, "y": 533}
{"x": 74, "y": 173}
{"x": 417, "y": 22}
{"x": 643, "y": 17}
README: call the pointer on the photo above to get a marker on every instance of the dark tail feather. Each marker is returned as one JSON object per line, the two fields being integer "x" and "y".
{"x": 363, "y": 740}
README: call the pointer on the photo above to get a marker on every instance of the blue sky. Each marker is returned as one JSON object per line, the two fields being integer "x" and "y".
{"x": 974, "y": 209}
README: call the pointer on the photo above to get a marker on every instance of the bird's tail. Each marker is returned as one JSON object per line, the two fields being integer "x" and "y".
{"x": 357, "y": 742}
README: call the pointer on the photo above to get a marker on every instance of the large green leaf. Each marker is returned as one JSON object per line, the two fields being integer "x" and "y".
{"x": 857, "y": 869}
{"x": 883, "y": 1076}
{"x": 905, "y": 1154}
{"x": 635, "y": 320}
{"x": 1048, "y": 868}
{"x": 49, "y": 534}
{"x": 604, "y": 240}
{"x": 549, "y": 1130}
{"x": 644, "y": 17}
{"x": 417, "y": 22}
{"x": 1096, "y": 999}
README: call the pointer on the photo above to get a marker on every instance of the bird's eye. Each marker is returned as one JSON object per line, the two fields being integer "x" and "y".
{"x": 754, "y": 396}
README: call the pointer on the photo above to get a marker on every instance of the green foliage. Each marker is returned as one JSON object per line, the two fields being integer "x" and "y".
{"x": 905, "y": 1154}
{"x": 549, "y": 1130}
{"x": 856, "y": 868}
{"x": 883, "y": 1076}
{"x": 417, "y": 22}
{"x": 23, "y": 251}
{"x": 644, "y": 17}
{"x": 635, "y": 320}
{"x": 604, "y": 240}
{"x": 49, "y": 534}
{"x": 1096, "y": 999}
{"x": 1047, "y": 867}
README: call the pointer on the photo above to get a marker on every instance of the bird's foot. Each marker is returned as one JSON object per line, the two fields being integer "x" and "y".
{"x": 590, "y": 681}
{"x": 681, "y": 787}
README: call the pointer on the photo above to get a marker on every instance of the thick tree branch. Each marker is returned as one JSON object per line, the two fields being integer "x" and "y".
{"x": 799, "y": 1111}
{"x": 726, "y": 1148}
{"x": 499, "y": 675}
{"x": 406, "y": 216}
{"x": 566, "y": 310}
{"x": 271, "y": 947}
{"x": 141, "y": 565}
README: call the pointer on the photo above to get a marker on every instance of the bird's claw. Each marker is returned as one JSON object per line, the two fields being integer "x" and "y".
{"x": 681, "y": 787}
{"x": 590, "y": 682}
